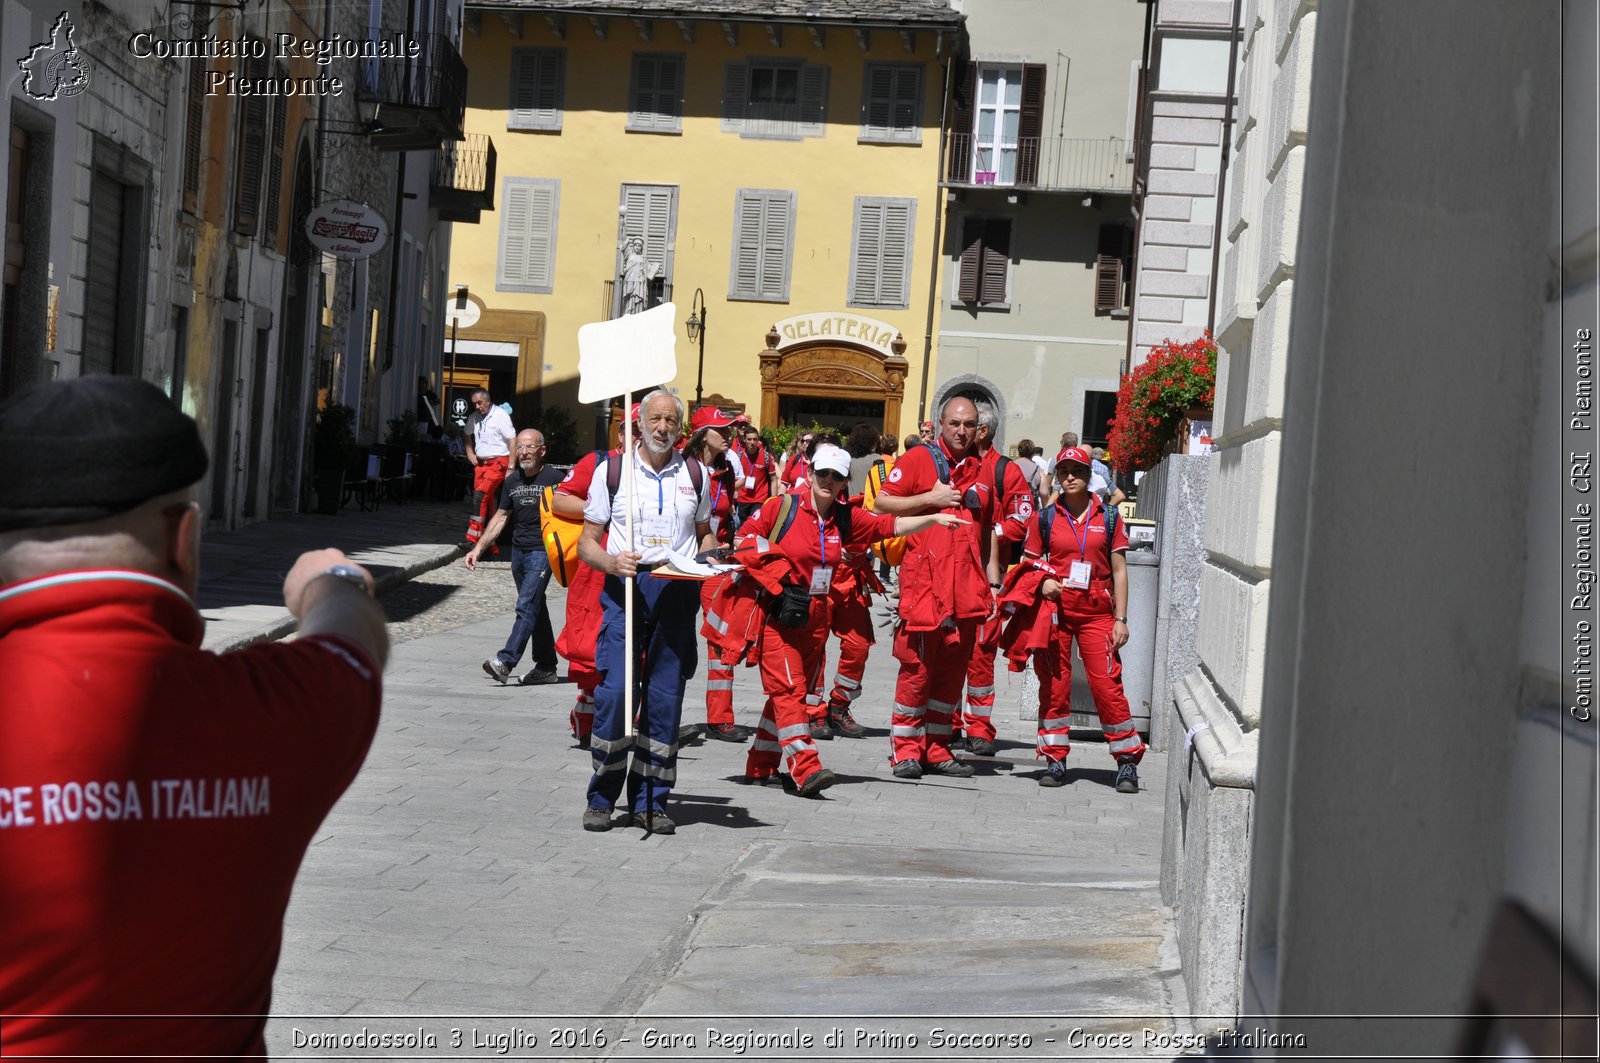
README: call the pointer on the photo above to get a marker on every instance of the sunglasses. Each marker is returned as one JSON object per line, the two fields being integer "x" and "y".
{"x": 830, "y": 474}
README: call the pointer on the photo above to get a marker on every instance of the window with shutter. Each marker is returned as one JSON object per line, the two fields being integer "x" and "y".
{"x": 655, "y": 96}
{"x": 538, "y": 88}
{"x": 252, "y": 155}
{"x": 891, "y": 103}
{"x": 1030, "y": 128}
{"x": 763, "y": 236}
{"x": 652, "y": 216}
{"x": 779, "y": 99}
{"x": 1110, "y": 268}
{"x": 273, "y": 206}
{"x": 530, "y": 207}
{"x": 984, "y": 276}
{"x": 880, "y": 252}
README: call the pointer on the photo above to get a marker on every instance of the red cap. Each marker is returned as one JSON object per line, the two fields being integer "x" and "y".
{"x": 709, "y": 417}
{"x": 633, "y": 414}
{"x": 1080, "y": 455}
{"x": 741, "y": 418}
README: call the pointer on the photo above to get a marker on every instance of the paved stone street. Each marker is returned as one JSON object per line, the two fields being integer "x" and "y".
{"x": 453, "y": 883}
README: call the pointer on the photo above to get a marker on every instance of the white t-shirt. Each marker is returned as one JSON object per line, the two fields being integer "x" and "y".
{"x": 666, "y": 507}
{"x": 492, "y": 433}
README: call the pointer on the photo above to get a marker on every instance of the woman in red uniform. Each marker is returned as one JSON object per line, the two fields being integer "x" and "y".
{"x": 1085, "y": 578}
{"x": 820, "y": 527}
{"x": 712, "y": 435}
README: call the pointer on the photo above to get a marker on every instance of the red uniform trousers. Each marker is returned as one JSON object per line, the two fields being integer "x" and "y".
{"x": 579, "y": 635}
{"x": 788, "y": 656}
{"x": 719, "y": 676}
{"x": 1053, "y": 666}
{"x": 487, "y": 476}
{"x": 977, "y": 720}
{"x": 933, "y": 665}
{"x": 852, "y": 621}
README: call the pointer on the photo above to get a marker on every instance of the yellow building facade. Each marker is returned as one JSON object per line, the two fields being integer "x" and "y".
{"x": 787, "y": 170}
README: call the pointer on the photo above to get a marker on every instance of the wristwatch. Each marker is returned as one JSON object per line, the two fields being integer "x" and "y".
{"x": 1122, "y": 620}
{"x": 349, "y": 574}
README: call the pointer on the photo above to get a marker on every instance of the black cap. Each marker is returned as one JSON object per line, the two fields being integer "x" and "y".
{"x": 84, "y": 449}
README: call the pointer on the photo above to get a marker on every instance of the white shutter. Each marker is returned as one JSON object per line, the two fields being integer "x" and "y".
{"x": 642, "y": 93}
{"x": 813, "y": 100}
{"x": 541, "y": 237}
{"x": 777, "y": 224}
{"x": 669, "y": 92}
{"x": 880, "y": 259}
{"x": 877, "y": 105}
{"x": 864, "y": 261}
{"x": 763, "y": 238}
{"x": 514, "y": 236}
{"x": 735, "y": 88}
{"x": 528, "y": 224}
{"x": 655, "y": 96}
{"x": 907, "y": 123}
{"x": 745, "y": 273}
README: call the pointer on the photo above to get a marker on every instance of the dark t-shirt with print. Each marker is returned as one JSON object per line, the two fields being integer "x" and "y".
{"x": 519, "y": 497}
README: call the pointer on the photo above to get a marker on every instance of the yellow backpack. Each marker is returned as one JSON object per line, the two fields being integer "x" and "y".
{"x": 889, "y": 551}
{"x": 560, "y": 538}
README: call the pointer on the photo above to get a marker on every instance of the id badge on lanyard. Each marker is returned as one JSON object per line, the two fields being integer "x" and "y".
{"x": 1078, "y": 572}
{"x": 822, "y": 575}
{"x": 658, "y": 526}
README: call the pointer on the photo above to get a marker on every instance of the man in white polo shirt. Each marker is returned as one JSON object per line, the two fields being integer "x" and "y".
{"x": 671, "y": 511}
{"x": 489, "y": 436}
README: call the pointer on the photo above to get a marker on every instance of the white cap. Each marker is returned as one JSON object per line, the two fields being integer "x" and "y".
{"x": 831, "y": 457}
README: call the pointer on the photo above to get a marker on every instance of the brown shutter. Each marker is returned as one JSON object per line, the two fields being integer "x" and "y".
{"x": 194, "y": 123}
{"x": 996, "y": 260}
{"x": 252, "y": 144}
{"x": 971, "y": 260}
{"x": 280, "y": 113}
{"x": 1030, "y": 123}
{"x": 962, "y": 116}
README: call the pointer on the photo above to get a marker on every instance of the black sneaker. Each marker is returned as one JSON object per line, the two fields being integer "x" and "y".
{"x": 844, "y": 724}
{"x": 1127, "y": 778}
{"x": 726, "y": 732}
{"x": 817, "y": 782}
{"x": 597, "y": 819}
{"x": 538, "y": 677}
{"x": 953, "y": 768}
{"x": 980, "y": 746}
{"x": 497, "y": 670}
{"x": 1055, "y": 773}
{"x": 907, "y": 769}
{"x": 655, "y": 822}
{"x": 958, "y": 740}
{"x": 820, "y": 731}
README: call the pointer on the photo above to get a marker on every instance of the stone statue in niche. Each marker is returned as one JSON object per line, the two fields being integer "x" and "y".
{"x": 637, "y": 275}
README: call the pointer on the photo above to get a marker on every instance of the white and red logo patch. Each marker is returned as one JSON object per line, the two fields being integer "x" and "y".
{"x": 894, "y": 476}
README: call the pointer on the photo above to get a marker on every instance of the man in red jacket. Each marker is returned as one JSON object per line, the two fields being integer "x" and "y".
{"x": 947, "y": 584}
{"x": 155, "y": 799}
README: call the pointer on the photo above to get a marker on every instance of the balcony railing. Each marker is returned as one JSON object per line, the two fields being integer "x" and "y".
{"x": 1059, "y": 164}
{"x": 421, "y": 101}
{"x": 463, "y": 178}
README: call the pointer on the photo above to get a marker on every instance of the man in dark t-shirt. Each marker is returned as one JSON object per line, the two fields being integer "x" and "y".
{"x": 530, "y": 568}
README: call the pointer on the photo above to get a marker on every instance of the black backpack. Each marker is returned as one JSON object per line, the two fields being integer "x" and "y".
{"x": 1047, "y": 517}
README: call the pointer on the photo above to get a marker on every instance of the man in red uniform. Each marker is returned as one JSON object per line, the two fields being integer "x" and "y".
{"x": 756, "y": 487}
{"x": 155, "y": 799}
{"x": 976, "y": 726}
{"x": 946, "y": 588}
{"x": 489, "y": 436}
{"x": 1086, "y": 582}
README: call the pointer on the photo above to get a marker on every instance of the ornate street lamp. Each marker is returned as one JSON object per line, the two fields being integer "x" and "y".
{"x": 696, "y": 327}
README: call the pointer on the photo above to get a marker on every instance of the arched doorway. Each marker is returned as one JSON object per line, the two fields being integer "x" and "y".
{"x": 833, "y": 380}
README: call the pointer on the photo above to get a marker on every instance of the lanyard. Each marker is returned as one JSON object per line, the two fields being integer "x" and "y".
{"x": 1083, "y": 540}
{"x": 716, "y": 495}
{"x": 822, "y": 544}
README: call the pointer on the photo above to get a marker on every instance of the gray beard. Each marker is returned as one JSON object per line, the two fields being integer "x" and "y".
{"x": 657, "y": 448}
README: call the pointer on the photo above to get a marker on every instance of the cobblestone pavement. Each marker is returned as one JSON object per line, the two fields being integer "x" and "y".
{"x": 452, "y": 892}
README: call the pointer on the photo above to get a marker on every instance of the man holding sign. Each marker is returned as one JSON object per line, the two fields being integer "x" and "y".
{"x": 671, "y": 511}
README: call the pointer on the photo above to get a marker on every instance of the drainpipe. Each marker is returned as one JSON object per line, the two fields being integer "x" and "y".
{"x": 1234, "y": 33}
{"x": 938, "y": 225}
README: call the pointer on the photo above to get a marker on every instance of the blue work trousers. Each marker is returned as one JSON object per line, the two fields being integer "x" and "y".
{"x": 664, "y": 630}
{"x": 530, "y": 569}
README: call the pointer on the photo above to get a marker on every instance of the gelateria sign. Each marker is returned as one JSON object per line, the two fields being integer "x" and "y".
{"x": 347, "y": 229}
{"x": 851, "y": 328}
